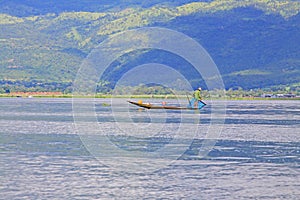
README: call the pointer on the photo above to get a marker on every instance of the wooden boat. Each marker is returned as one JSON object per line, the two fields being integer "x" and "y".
{"x": 151, "y": 106}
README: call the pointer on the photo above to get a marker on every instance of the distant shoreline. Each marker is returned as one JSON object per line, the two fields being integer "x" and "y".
{"x": 106, "y": 96}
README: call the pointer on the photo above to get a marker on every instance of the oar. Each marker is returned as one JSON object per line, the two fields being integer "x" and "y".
{"x": 202, "y": 102}
{"x": 190, "y": 101}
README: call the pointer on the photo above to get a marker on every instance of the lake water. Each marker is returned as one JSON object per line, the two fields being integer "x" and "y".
{"x": 120, "y": 152}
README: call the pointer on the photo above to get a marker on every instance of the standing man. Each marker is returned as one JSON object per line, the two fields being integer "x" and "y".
{"x": 197, "y": 94}
{"x": 197, "y": 99}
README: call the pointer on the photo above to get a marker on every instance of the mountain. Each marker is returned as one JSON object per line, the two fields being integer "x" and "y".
{"x": 25, "y": 8}
{"x": 254, "y": 43}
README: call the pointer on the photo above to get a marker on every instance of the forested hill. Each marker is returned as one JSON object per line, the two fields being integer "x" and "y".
{"x": 254, "y": 43}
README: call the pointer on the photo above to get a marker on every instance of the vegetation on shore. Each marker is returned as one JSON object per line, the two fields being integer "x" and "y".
{"x": 167, "y": 93}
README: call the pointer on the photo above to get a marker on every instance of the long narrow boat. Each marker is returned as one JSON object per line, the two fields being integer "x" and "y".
{"x": 151, "y": 106}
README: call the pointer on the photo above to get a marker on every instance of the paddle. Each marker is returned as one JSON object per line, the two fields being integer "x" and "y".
{"x": 204, "y": 104}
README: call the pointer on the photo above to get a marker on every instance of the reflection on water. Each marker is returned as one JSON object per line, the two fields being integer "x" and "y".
{"x": 256, "y": 156}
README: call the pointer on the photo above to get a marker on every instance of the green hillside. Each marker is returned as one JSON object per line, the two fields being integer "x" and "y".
{"x": 254, "y": 43}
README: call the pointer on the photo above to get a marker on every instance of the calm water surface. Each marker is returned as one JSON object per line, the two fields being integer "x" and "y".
{"x": 255, "y": 156}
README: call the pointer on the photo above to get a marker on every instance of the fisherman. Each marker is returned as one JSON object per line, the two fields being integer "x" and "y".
{"x": 197, "y": 98}
{"x": 197, "y": 94}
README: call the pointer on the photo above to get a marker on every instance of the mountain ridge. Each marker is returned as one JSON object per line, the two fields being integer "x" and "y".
{"x": 50, "y": 47}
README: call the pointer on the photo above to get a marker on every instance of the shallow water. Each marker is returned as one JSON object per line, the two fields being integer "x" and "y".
{"x": 43, "y": 156}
